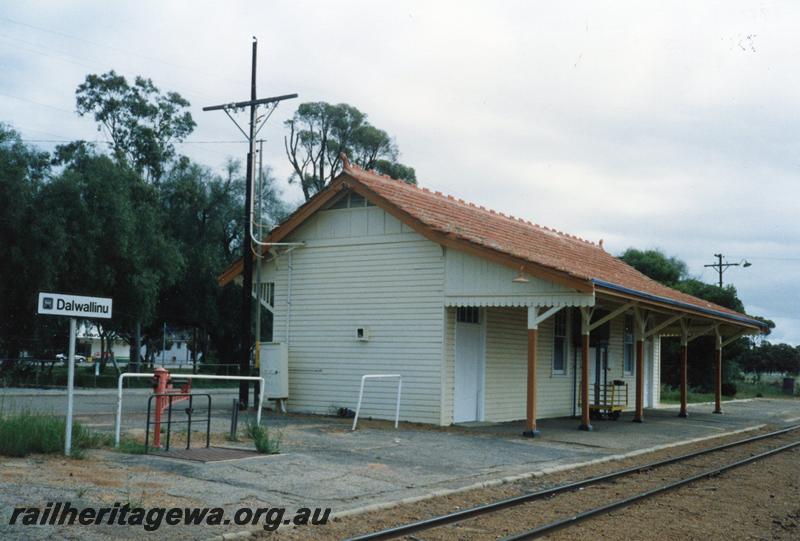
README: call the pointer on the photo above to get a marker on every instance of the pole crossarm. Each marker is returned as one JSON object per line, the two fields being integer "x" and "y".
{"x": 248, "y": 103}
{"x": 663, "y": 325}
{"x": 608, "y": 317}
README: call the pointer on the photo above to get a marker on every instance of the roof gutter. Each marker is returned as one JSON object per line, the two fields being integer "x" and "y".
{"x": 679, "y": 304}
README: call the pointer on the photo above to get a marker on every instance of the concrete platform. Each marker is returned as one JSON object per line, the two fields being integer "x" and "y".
{"x": 324, "y": 463}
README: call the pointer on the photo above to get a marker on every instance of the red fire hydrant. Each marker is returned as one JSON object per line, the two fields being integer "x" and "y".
{"x": 162, "y": 386}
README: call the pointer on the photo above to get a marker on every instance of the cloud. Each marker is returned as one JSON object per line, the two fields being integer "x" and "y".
{"x": 646, "y": 124}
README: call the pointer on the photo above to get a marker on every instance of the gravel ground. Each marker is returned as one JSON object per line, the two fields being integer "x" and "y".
{"x": 758, "y": 501}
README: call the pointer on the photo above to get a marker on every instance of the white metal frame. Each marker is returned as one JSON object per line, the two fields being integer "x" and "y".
{"x": 364, "y": 379}
{"x": 118, "y": 423}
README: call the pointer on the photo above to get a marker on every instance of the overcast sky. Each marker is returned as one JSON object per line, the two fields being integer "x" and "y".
{"x": 656, "y": 125}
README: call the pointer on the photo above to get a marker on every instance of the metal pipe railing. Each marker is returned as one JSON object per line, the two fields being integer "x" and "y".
{"x": 118, "y": 422}
{"x": 364, "y": 379}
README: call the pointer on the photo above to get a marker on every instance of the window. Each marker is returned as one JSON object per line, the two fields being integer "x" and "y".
{"x": 350, "y": 200}
{"x": 627, "y": 345}
{"x": 357, "y": 200}
{"x": 560, "y": 343}
{"x": 340, "y": 203}
{"x": 468, "y": 314}
{"x": 267, "y": 292}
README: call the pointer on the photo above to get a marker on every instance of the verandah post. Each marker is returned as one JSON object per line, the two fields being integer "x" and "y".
{"x": 638, "y": 415}
{"x": 684, "y": 377}
{"x": 717, "y": 372}
{"x": 533, "y": 334}
{"x": 586, "y": 317}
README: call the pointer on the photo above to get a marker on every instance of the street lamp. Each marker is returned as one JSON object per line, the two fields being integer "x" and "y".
{"x": 723, "y": 266}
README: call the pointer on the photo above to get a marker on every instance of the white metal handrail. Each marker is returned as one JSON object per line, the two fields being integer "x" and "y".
{"x": 118, "y": 423}
{"x": 364, "y": 379}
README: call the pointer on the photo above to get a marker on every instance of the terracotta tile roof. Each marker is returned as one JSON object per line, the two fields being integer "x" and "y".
{"x": 526, "y": 241}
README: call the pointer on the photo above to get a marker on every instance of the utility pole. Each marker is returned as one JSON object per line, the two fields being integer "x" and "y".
{"x": 721, "y": 266}
{"x": 247, "y": 289}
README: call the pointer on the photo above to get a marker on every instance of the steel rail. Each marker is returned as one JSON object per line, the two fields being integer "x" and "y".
{"x": 458, "y": 516}
{"x": 580, "y": 517}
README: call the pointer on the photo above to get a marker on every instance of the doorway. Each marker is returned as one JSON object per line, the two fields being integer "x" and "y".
{"x": 598, "y": 373}
{"x": 469, "y": 365}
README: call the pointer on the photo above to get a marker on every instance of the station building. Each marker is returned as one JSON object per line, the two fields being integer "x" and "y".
{"x": 487, "y": 317}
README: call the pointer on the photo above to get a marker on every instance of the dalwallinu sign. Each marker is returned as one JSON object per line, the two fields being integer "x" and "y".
{"x": 56, "y": 304}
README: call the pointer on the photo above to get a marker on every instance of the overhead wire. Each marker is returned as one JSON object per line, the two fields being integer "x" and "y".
{"x": 194, "y": 69}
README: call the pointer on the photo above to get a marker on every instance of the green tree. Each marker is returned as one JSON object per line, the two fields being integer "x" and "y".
{"x": 656, "y": 265}
{"x": 31, "y": 242}
{"x": 204, "y": 218}
{"x": 114, "y": 235}
{"x": 320, "y": 132}
{"x": 141, "y": 121}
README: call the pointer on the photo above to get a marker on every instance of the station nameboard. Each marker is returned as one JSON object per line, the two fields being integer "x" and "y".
{"x": 56, "y": 304}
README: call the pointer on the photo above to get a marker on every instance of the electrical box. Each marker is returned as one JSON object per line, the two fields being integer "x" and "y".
{"x": 362, "y": 334}
{"x": 275, "y": 370}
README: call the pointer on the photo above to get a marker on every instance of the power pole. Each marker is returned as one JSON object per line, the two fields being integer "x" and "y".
{"x": 721, "y": 266}
{"x": 247, "y": 289}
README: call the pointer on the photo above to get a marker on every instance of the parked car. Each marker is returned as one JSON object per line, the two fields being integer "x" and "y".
{"x": 63, "y": 358}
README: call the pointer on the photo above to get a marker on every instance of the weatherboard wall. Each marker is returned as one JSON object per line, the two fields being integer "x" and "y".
{"x": 361, "y": 268}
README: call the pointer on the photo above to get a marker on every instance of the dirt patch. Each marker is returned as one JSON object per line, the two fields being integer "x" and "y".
{"x": 95, "y": 477}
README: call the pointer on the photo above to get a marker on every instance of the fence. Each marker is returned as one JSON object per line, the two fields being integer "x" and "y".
{"x": 50, "y": 373}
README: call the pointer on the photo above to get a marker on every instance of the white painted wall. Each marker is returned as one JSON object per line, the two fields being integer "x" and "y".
{"x": 361, "y": 268}
{"x": 474, "y": 281}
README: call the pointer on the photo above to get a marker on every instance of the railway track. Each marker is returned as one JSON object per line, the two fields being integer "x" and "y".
{"x": 551, "y": 527}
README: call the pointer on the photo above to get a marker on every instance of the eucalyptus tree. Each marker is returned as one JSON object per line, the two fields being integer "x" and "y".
{"x": 141, "y": 122}
{"x": 319, "y": 132}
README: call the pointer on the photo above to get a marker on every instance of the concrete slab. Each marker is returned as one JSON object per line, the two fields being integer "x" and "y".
{"x": 325, "y": 464}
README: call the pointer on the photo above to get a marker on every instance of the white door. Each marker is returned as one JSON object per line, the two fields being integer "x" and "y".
{"x": 468, "y": 392}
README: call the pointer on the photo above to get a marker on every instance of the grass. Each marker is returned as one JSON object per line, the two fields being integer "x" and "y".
{"x": 265, "y": 442}
{"x": 23, "y": 433}
{"x": 744, "y": 389}
{"x": 130, "y": 446}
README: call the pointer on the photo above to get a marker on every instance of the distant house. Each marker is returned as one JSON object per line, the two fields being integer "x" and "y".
{"x": 89, "y": 343}
{"x": 487, "y": 317}
{"x": 177, "y": 354}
